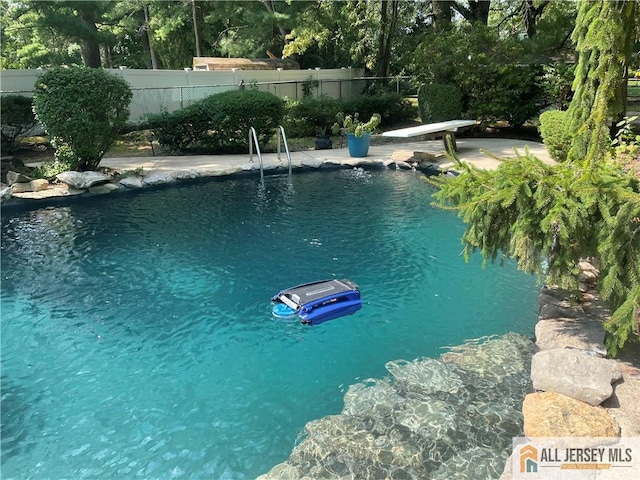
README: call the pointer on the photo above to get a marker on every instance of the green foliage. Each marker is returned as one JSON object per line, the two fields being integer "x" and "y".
{"x": 503, "y": 92}
{"x": 309, "y": 116}
{"x": 174, "y": 130}
{"x": 82, "y": 110}
{"x": 220, "y": 122}
{"x": 556, "y": 85}
{"x": 550, "y": 217}
{"x": 439, "y": 103}
{"x": 604, "y": 34}
{"x": 554, "y": 130}
{"x": 16, "y": 115}
{"x": 49, "y": 170}
{"x": 392, "y": 107}
{"x": 625, "y": 133}
{"x": 353, "y": 124}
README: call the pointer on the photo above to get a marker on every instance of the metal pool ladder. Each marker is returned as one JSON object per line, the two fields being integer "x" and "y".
{"x": 253, "y": 140}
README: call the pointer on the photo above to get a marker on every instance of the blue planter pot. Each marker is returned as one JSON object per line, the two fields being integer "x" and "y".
{"x": 358, "y": 147}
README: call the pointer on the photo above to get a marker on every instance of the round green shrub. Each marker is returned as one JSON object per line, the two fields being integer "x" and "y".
{"x": 555, "y": 133}
{"x": 16, "y": 115}
{"x": 82, "y": 110}
{"x": 220, "y": 123}
{"x": 226, "y": 118}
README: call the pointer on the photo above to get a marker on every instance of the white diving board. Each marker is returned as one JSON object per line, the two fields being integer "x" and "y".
{"x": 447, "y": 129}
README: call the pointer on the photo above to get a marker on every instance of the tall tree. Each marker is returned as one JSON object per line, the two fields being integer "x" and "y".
{"x": 388, "y": 29}
{"x": 550, "y": 217}
{"x": 76, "y": 20}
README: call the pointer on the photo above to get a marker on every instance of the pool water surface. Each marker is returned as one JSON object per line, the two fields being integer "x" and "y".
{"x": 137, "y": 335}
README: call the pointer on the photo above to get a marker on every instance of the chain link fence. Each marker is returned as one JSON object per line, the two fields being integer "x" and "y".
{"x": 153, "y": 100}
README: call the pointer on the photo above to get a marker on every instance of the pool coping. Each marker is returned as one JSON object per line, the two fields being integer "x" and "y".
{"x": 141, "y": 173}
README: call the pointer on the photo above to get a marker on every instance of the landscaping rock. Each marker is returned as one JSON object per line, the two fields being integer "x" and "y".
{"x": 83, "y": 180}
{"x": 402, "y": 156}
{"x": 32, "y": 186}
{"x": 39, "y": 184}
{"x": 398, "y": 165}
{"x": 21, "y": 187}
{"x": 159, "y": 178}
{"x": 312, "y": 163}
{"x": 574, "y": 373}
{"x": 131, "y": 182}
{"x": 222, "y": 172}
{"x": 5, "y": 192}
{"x": 185, "y": 174}
{"x": 104, "y": 188}
{"x": 549, "y": 414}
{"x": 14, "y": 164}
{"x": 559, "y": 311}
{"x": 582, "y": 334}
{"x": 588, "y": 273}
{"x": 15, "y": 177}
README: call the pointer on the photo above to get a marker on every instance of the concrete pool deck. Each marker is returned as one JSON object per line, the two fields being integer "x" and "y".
{"x": 469, "y": 149}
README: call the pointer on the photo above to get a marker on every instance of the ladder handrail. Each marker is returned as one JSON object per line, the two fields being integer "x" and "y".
{"x": 253, "y": 137}
{"x": 282, "y": 135}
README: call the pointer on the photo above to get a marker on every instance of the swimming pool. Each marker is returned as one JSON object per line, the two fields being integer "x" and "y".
{"x": 137, "y": 338}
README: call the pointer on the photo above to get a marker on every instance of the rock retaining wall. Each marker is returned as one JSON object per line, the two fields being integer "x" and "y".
{"x": 575, "y": 385}
{"x": 20, "y": 187}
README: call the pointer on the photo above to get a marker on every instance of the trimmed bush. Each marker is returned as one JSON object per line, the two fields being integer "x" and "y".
{"x": 16, "y": 115}
{"x": 82, "y": 110}
{"x": 555, "y": 133}
{"x": 439, "y": 102}
{"x": 504, "y": 92}
{"x": 173, "y": 130}
{"x": 310, "y": 116}
{"x": 220, "y": 123}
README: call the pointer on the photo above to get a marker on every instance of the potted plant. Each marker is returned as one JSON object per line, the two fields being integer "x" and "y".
{"x": 323, "y": 139}
{"x": 358, "y": 133}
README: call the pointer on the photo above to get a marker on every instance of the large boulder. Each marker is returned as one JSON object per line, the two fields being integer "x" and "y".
{"x": 32, "y": 186}
{"x": 83, "y": 180}
{"x": 13, "y": 164}
{"x": 5, "y": 192}
{"x": 16, "y": 177}
{"x": 574, "y": 373}
{"x": 550, "y": 414}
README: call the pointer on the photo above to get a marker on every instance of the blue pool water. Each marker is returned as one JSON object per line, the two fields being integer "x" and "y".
{"x": 137, "y": 335}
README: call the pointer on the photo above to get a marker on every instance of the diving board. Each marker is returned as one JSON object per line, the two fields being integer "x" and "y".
{"x": 445, "y": 129}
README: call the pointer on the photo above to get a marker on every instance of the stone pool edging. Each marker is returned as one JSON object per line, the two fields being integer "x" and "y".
{"x": 575, "y": 384}
{"x": 73, "y": 184}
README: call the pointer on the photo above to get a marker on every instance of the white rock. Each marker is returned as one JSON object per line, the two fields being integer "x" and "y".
{"x": 82, "y": 180}
{"x": 574, "y": 373}
{"x": 312, "y": 162}
{"x": 106, "y": 188}
{"x": 131, "y": 182}
{"x": 14, "y": 177}
{"x": 158, "y": 178}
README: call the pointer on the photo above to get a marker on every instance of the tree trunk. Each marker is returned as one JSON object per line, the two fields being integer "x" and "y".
{"x": 147, "y": 44}
{"x": 195, "y": 10}
{"x": 271, "y": 9}
{"x": 442, "y": 13}
{"x": 89, "y": 47}
{"x": 531, "y": 14}
{"x": 388, "y": 24}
